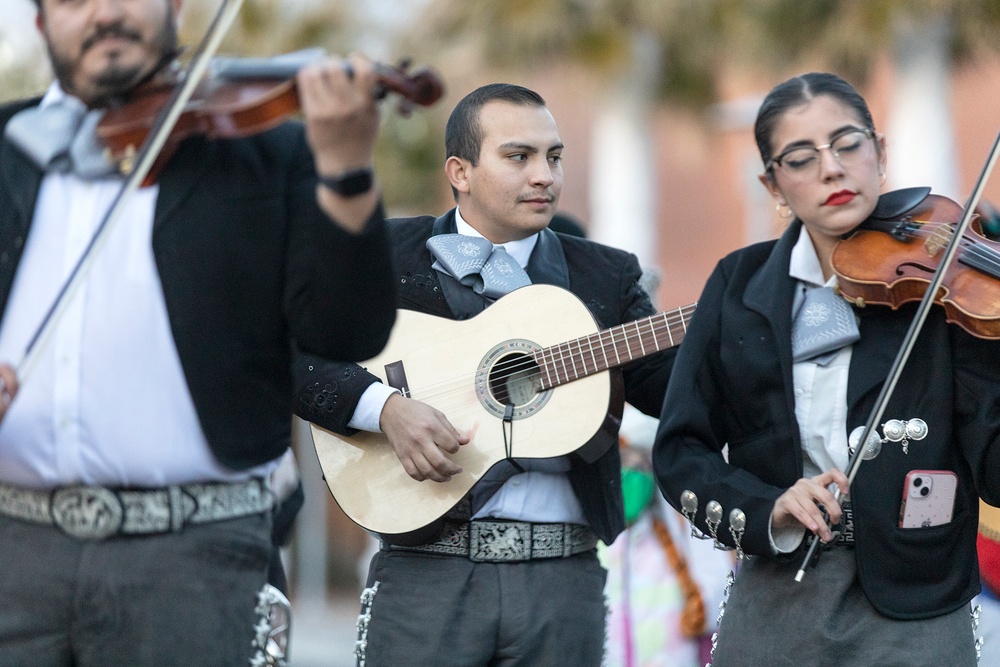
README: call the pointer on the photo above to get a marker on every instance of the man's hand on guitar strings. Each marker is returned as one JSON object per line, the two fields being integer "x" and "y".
{"x": 422, "y": 437}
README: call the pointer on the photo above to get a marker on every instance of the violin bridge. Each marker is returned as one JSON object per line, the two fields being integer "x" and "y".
{"x": 938, "y": 240}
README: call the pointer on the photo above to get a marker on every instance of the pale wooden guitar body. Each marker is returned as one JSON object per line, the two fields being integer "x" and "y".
{"x": 450, "y": 364}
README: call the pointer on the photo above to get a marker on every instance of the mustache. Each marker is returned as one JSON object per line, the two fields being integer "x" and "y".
{"x": 113, "y": 30}
{"x": 541, "y": 194}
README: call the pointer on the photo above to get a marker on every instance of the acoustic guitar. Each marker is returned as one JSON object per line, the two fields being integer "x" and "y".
{"x": 526, "y": 378}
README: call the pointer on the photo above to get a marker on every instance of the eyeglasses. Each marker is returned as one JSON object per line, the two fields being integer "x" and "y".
{"x": 803, "y": 163}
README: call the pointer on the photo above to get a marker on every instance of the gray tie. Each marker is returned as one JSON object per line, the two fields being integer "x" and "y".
{"x": 61, "y": 137}
{"x": 823, "y": 323}
{"x": 476, "y": 263}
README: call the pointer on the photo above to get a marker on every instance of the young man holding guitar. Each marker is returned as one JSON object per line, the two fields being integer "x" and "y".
{"x": 509, "y": 574}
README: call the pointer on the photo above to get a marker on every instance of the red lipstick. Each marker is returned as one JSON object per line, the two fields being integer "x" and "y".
{"x": 839, "y": 198}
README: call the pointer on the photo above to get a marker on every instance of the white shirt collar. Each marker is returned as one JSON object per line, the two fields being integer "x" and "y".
{"x": 520, "y": 250}
{"x": 803, "y": 264}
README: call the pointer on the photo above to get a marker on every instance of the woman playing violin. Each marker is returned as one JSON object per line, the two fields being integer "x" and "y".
{"x": 134, "y": 458}
{"x": 774, "y": 375}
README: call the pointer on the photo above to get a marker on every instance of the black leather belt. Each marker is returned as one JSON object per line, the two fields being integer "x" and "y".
{"x": 502, "y": 541}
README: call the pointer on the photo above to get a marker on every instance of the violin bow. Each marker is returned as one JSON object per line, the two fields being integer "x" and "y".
{"x": 160, "y": 131}
{"x": 854, "y": 462}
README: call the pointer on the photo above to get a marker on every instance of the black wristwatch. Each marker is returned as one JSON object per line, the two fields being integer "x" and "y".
{"x": 350, "y": 183}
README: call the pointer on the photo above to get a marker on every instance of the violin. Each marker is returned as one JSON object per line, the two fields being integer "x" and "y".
{"x": 239, "y": 97}
{"x": 891, "y": 258}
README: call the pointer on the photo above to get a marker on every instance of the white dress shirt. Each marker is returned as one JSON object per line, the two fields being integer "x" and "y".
{"x": 542, "y": 497}
{"x": 820, "y": 391}
{"x": 107, "y": 401}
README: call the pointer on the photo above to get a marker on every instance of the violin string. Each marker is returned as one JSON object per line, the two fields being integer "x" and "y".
{"x": 147, "y": 154}
{"x": 974, "y": 247}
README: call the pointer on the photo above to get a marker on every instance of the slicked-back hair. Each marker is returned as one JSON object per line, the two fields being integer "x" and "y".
{"x": 463, "y": 135}
{"x": 797, "y": 91}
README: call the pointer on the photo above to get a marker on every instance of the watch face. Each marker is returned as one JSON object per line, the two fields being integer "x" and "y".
{"x": 349, "y": 183}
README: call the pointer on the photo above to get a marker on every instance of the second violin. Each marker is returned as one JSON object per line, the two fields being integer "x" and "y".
{"x": 240, "y": 97}
{"x": 891, "y": 259}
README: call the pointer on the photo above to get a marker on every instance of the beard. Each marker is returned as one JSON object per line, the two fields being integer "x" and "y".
{"x": 116, "y": 79}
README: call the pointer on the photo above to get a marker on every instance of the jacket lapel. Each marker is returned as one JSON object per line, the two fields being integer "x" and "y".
{"x": 184, "y": 172}
{"x": 875, "y": 353}
{"x": 775, "y": 304}
{"x": 21, "y": 178}
{"x": 547, "y": 264}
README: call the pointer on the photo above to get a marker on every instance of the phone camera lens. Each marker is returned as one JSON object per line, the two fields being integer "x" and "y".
{"x": 918, "y": 482}
{"x": 924, "y": 491}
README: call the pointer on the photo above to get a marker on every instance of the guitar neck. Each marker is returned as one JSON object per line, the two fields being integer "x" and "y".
{"x": 612, "y": 347}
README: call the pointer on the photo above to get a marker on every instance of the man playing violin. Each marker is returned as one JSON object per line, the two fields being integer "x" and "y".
{"x": 428, "y": 601}
{"x": 135, "y": 454}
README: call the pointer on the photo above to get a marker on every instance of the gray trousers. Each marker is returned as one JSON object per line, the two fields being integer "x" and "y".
{"x": 447, "y": 611}
{"x": 826, "y": 621}
{"x": 183, "y": 598}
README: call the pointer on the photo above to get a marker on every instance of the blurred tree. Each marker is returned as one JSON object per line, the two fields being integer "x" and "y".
{"x": 925, "y": 40}
{"x": 644, "y": 51}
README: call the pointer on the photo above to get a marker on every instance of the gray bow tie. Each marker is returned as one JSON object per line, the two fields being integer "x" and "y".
{"x": 823, "y": 324}
{"x": 61, "y": 137}
{"x": 476, "y": 263}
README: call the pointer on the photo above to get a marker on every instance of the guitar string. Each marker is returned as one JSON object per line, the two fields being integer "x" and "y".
{"x": 603, "y": 345}
{"x": 604, "y": 342}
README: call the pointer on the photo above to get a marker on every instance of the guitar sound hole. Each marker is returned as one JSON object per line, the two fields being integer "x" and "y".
{"x": 514, "y": 379}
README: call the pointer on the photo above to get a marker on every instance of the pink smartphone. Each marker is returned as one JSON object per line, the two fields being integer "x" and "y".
{"x": 928, "y": 498}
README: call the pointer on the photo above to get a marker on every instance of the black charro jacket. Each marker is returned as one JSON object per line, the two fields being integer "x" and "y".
{"x": 733, "y": 385}
{"x": 604, "y": 278}
{"x": 249, "y": 264}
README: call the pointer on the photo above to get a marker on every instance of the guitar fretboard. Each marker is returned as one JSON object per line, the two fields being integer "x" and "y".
{"x": 612, "y": 347}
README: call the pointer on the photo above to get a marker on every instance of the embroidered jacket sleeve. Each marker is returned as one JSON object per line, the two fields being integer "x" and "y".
{"x": 688, "y": 453}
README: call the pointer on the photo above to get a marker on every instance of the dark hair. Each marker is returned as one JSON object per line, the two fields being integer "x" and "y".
{"x": 799, "y": 90}
{"x": 463, "y": 135}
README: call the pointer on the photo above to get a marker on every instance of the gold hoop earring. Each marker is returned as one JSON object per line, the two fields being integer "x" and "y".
{"x": 783, "y": 210}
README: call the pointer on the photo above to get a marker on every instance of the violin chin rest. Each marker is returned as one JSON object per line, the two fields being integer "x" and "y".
{"x": 894, "y": 204}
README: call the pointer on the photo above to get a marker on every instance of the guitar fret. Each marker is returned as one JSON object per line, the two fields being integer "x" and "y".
{"x": 610, "y": 348}
{"x": 562, "y": 363}
{"x": 593, "y": 357}
{"x": 546, "y": 366}
{"x": 576, "y": 368}
{"x": 614, "y": 345}
{"x": 642, "y": 348}
{"x": 670, "y": 332}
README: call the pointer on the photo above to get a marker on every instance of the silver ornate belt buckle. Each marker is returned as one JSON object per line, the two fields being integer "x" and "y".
{"x": 494, "y": 542}
{"x": 87, "y": 512}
